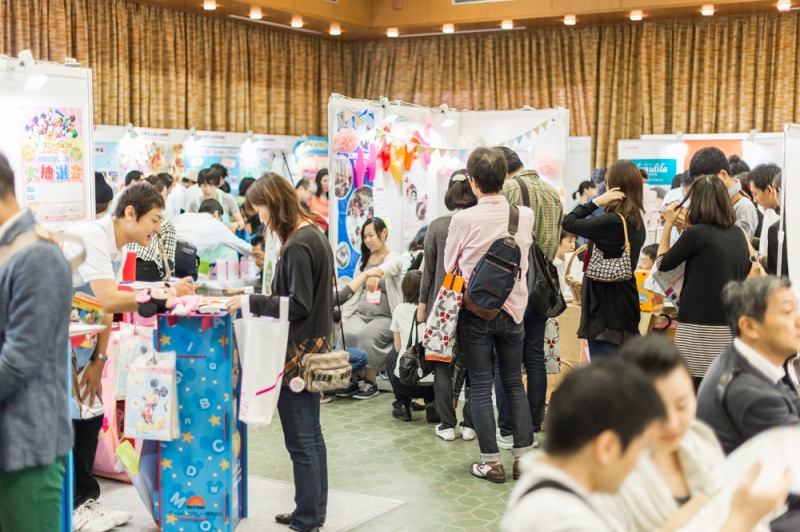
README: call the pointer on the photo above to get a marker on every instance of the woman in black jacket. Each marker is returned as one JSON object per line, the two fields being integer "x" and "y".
{"x": 305, "y": 275}
{"x": 610, "y": 310}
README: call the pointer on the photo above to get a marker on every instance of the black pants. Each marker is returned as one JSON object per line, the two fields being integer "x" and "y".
{"x": 84, "y": 447}
{"x": 445, "y": 400}
{"x": 402, "y": 393}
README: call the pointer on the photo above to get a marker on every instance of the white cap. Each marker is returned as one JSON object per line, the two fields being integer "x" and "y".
{"x": 191, "y": 175}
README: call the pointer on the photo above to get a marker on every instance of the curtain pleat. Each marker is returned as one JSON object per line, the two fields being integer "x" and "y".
{"x": 161, "y": 68}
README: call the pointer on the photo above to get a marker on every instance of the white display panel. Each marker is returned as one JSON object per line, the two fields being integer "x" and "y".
{"x": 47, "y": 138}
{"x": 791, "y": 202}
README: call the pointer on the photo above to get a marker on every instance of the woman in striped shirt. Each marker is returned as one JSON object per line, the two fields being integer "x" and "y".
{"x": 715, "y": 251}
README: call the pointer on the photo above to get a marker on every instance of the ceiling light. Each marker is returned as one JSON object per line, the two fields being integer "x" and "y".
{"x": 297, "y": 22}
{"x": 569, "y": 20}
{"x": 507, "y": 24}
{"x": 448, "y": 118}
{"x": 707, "y": 10}
{"x": 209, "y": 5}
{"x": 389, "y": 113}
{"x": 255, "y": 13}
{"x": 784, "y": 5}
{"x": 194, "y": 136}
{"x": 335, "y": 30}
{"x": 636, "y": 15}
{"x": 33, "y": 77}
{"x": 392, "y": 32}
{"x": 448, "y": 28}
{"x": 131, "y": 132}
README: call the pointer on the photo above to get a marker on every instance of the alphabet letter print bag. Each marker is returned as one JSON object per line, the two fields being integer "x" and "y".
{"x": 440, "y": 330}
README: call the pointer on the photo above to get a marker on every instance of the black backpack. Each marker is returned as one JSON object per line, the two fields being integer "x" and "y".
{"x": 495, "y": 274}
{"x": 185, "y": 260}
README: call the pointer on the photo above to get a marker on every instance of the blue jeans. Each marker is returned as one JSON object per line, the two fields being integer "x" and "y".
{"x": 533, "y": 360}
{"x": 478, "y": 337}
{"x": 601, "y": 348}
{"x": 302, "y": 434}
{"x": 358, "y": 359}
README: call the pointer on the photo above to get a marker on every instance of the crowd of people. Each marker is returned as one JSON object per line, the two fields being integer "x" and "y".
{"x": 632, "y": 438}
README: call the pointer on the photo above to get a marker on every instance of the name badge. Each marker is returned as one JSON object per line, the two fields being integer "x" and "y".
{"x": 374, "y": 298}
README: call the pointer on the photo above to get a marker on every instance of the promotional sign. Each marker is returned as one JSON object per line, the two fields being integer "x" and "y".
{"x": 661, "y": 172}
{"x": 106, "y": 161}
{"x": 199, "y": 157}
{"x": 52, "y": 153}
{"x": 311, "y": 156}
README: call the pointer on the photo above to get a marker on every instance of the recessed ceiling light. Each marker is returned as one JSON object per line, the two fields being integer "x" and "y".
{"x": 784, "y": 5}
{"x": 707, "y": 10}
{"x": 569, "y": 20}
{"x": 209, "y": 5}
{"x": 297, "y": 22}
{"x": 255, "y": 13}
{"x": 507, "y": 24}
{"x": 335, "y": 30}
{"x": 392, "y": 32}
{"x": 636, "y": 15}
{"x": 448, "y": 28}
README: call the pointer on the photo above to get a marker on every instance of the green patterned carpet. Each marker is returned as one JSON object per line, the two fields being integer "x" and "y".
{"x": 371, "y": 453}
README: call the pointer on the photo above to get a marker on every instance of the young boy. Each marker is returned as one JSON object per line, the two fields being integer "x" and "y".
{"x": 648, "y": 257}
{"x": 566, "y": 245}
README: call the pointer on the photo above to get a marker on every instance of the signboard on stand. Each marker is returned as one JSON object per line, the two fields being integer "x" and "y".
{"x": 660, "y": 172}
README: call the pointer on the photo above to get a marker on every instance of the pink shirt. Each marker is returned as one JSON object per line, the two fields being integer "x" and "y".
{"x": 472, "y": 232}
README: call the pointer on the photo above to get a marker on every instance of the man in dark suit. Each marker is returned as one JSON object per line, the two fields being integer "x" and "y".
{"x": 747, "y": 390}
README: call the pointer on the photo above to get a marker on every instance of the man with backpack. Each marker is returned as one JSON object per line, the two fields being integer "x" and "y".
{"x": 489, "y": 244}
{"x": 524, "y": 187}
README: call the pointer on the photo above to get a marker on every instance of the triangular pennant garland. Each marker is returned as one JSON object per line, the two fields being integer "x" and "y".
{"x": 544, "y": 124}
{"x": 536, "y": 130}
{"x": 442, "y": 152}
{"x": 462, "y": 153}
{"x": 420, "y": 149}
{"x": 528, "y": 134}
{"x": 519, "y": 139}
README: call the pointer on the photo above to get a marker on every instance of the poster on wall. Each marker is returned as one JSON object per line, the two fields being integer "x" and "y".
{"x": 264, "y": 155}
{"x": 311, "y": 156}
{"x": 660, "y": 172}
{"x": 52, "y": 153}
{"x": 106, "y": 161}
{"x": 151, "y": 153}
{"x": 200, "y": 157}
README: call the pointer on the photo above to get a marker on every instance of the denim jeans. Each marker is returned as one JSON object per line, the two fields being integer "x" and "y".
{"x": 533, "y": 360}
{"x": 302, "y": 434}
{"x": 477, "y": 338}
{"x": 358, "y": 359}
{"x": 601, "y": 348}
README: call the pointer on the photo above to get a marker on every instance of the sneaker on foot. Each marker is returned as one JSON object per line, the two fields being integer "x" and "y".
{"x": 495, "y": 474}
{"x": 447, "y": 434}
{"x": 324, "y": 399}
{"x": 86, "y": 519}
{"x": 416, "y": 407}
{"x": 401, "y": 412}
{"x": 368, "y": 391}
{"x": 118, "y": 516}
{"x": 349, "y": 391}
{"x": 505, "y": 442}
{"x": 467, "y": 433}
{"x": 535, "y": 439}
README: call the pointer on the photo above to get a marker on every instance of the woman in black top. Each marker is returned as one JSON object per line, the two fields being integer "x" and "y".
{"x": 304, "y": 274}
{"x": 610, "y": 310}
{"x": 715, "y": 252}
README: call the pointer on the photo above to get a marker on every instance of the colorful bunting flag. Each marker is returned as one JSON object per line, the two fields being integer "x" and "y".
{"x": 544, "y": 124}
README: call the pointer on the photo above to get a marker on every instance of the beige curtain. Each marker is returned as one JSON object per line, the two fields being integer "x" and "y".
{"x": 162, "y": 68}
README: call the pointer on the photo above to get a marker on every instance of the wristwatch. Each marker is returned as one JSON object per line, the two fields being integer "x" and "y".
{"x": 101, "y": 356}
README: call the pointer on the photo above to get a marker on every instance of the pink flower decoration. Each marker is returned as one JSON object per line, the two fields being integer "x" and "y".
{"x": 546, "y": 165}
{"x": 345, "y": 141}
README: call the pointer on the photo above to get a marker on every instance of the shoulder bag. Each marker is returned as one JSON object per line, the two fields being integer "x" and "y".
{"x": 611, "y": 270}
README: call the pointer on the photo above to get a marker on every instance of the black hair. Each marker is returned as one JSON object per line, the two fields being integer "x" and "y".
{"x": 651, "y": 251}
{"x": 738, "y": 166}
{"x": 258, "y": 240}
{"x": 599, "y": 176}
{"x": 6, "y": 178}
{"x": 487, "y": 168}
{"x": 583, "y": 187}
{"x": 459, "y": 194}
{"x": 687, "y": 179}
{"x": 676, "y": 181}
{"x": 322, "y": 173}
{"x": 565, "y": 234}
{"x": 305, "y": 183}
{"x": 221, "y": 170}
{"x": 244, "y": 184}
{"x": 210, "y": 206}
{"x": 379, "y": 226}
{"x": 750, "y": 298}
{"x": 209, "y": 176}
{"x": 608, "y": 394}
{"x": 410, "y": 286}
{"x": 419, "y": 239}
{"x": 655, "y": 354}
{"x": 225, "y": 187}
{"x": 709, "y": 161}
{"x": 166, "y": 178}
{"x": 142, "y": 198}
{"x": 763, "y": 176}
{"x": 133, "y": 175}
{"x": 513, "y": 162}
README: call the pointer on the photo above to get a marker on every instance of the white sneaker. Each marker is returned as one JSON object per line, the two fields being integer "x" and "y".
{"x": 446, "y": 434}
{"x": 86, "y": 519}
{"x": 535, "y": 440}
{"x": 467, "y": 433}
{"x": 118, "y": 516}
{"x": 505, "y": 442}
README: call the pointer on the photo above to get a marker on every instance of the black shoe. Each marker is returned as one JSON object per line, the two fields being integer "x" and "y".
{"x": 402, "y": 413}
{"x": 416, "y": 407}
{"x": 431, "y": 414}
{"x": 283, "y": 519}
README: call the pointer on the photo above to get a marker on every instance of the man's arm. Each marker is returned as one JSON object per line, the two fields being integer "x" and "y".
{"x": 222, "y": 235}
{"x": 111, "y": 298}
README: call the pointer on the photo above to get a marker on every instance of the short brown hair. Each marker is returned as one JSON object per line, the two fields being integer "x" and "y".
{"x": 410, "y": 286}
{"x": 280, "y": 198}
{"x": 626, "y": 176}
{"x": 710, "y": 203}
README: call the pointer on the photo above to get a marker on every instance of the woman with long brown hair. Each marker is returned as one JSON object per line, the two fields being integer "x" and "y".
{"x": 610, "y": 309}
{"x": 715, "y": 251}
{"x": 304, "y": 275}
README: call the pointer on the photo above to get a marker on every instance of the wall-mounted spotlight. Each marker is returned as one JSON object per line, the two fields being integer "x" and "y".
{"x": 448, "y": 118}
{"x": 131, "y": 132}
{"x": 33, "y": 77}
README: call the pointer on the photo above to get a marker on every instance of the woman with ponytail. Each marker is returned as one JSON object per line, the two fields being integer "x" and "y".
{"x": 585, "y": 191}
{"x": 367, "y": 315}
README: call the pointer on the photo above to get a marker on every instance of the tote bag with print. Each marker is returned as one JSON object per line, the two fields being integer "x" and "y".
{"x": 440, "y": 329}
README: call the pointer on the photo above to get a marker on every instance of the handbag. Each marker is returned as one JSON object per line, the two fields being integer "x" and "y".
{"x": 611, "y": 270}
{"x": 262, "y": 343}
{"x": 756, "y": 270}
{"x": 151, "y": 403}
{"x": 412, "y": 366}
{"x": 440, "y": 329}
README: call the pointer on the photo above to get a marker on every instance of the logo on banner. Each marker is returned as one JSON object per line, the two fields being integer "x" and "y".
{"x": 660, "y": 172}
{"x": 196, "y": 503}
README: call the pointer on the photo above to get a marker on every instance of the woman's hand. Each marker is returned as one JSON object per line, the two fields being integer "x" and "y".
{"x": 611, "y": 195}
{"x": 422, "y": 313}
{"x": 372, "y": 284}
{"x": 685, "y": 513}
{"x": 672, "y": 213}
{"x": 232, "y": 291}
{"x": 748, "y": 507}
{"x": 234, "y": 303}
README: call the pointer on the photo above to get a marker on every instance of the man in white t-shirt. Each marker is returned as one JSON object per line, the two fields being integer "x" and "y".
{"x": 177, "y": 196}
{"x": 136, "y": 219}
